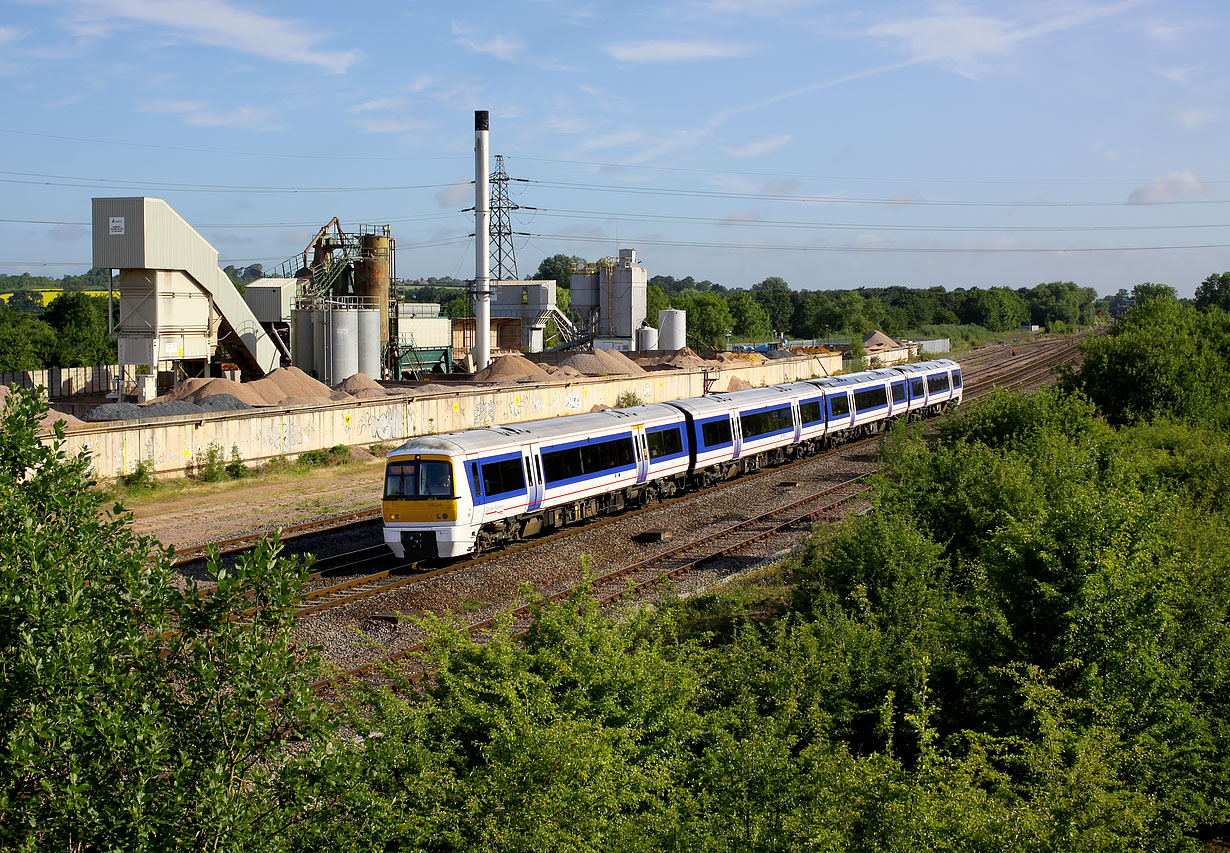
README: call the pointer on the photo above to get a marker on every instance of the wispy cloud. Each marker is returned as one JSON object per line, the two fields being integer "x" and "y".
{"x": 378, "y": 105}
{"x": 200, "y": 114}
{"x": 674, "y": 51}
{"x": 1178, "y": 75}
{"x": 616, "y": 139}
{"x": 1192, "y": 119}
{"x": 1175, "y": 186}
{"x": 216, "y": 23}
{"x": 763, "y": 146}
{"x": 501, "y": 47}
{"x": 8, "y": 34}
{"x": 455, "y": 196}
{"x": 388, "y": 124}
{"x": 971, "y": 43}
{"x": 1165, "y": 31}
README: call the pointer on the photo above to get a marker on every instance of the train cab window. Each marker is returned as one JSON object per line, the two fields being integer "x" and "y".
{"x": 503, "y": 477}
{"x": 769, "y": 421}
{"x": 839, "y": 405}
{"x": 413, "y": 479}
{"x": 898, "y": 392}
{"x": 664, "y": 442}
{"x": 916, "y": 388}
{"x": 937, "y": 382}
{"x": 716, "y": 433}
{"x": 956, "y": 379}
{"x": 810, "y": 412}
{"x": 870, "y": 398}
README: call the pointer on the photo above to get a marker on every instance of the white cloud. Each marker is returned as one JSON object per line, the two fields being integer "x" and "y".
{"x": 456, "y": 196}
{"x": 200, "y": 114}
{"x": 755, "y": 149}
{"x": 501, "y": 47}
{"x": 1192, "y": 119}
{"x": 388, "y": 124}
{"x": 216, "y": 23}
{"x": 1178, "y": 75}
{"x": 421, "y": 83}
{"x": 674, "y": 51}
{"x": 1175, "y": 186}
{"x": 377, "y": 105}
{"x": 1166, "y": 32}
{"x": 8, "y": 34}
{"x": 969, "y": 42}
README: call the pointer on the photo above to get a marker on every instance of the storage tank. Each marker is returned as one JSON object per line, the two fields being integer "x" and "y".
{"x": 672, "y": 329}
{"x": 343, "y": 344}
{"x": 372, "y": 275}
{"x": 369, "y": 342}
{"x": 646, "y": 338}
{"x": 302, "y": 347}
{"x": 320, "y": 345}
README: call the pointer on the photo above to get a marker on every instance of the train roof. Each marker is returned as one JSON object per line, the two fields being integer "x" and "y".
{"x": 926, "y": 366}
{"x": 728, "y": 400}
{"x": 544, "y": 429}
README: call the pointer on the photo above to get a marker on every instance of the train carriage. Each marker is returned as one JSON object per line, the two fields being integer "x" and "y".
{"x": 452, "y": 494}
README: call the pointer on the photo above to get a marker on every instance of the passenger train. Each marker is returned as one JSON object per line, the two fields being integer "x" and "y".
{"x": 456, "y": 493}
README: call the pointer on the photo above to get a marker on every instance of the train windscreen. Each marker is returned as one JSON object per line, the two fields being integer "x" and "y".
{"x": 418, "y": 478}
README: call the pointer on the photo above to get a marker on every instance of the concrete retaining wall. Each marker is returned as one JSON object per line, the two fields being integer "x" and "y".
{"x": 173, "y": 445}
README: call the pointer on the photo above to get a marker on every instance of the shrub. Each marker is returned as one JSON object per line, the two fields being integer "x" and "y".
{"x": 210, "y": 466}
{"x": 628, "y": 399}
{"x": 141, "y": 476}
{"x": 235, "y": 469}
{"x": 338, "y": 454}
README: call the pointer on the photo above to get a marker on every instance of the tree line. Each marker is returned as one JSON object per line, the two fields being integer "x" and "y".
{"x": 71, "y": 331}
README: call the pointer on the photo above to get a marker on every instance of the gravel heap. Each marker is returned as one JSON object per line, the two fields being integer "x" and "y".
{"x": 510, "y": 368}
{"x": 361, "y": 385}
{"x": 618, "y": 363}
{"x": 115, "y": 412}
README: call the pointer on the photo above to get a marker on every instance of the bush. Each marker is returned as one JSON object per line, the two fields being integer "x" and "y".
{"x": 628, "y": 399}
{"x": 338, "y": 454}
{"x": 209, "y": 465}
{"x": 235, "y": 469}
{"x": 141, "y": 477}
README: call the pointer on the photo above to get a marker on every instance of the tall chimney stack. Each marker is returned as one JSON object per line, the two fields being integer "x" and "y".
{"x": 482, "y": 243}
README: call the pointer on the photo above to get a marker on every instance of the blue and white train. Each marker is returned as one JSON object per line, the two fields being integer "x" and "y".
{"x": 452, "y": 494}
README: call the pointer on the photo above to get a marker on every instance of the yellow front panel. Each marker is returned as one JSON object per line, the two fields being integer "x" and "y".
{"x": 419, "y": 511}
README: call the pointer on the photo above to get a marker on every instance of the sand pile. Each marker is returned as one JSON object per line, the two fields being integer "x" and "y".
{"x": 272, "y": 390}
{"x": 51, "y": 416}
{"x": 618, "y": 363}
{"x": 737, "y": 384}
{"x": 508, "y": 368}
{"x": 359, "y": 385}
{"x": 195, "y": 390}
{"x": 285, "y": 382}
{"x": 586, "y": 363}
{"x": 685, "y": 359}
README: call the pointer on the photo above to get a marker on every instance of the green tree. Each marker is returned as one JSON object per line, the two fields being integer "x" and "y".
{"x": 134, "y": 715}
{"x": 750, "y": 320}
{"x": 559, "y": 268}
{"x": 25, "y": 343}
{"x": 1214, "y": 290}
{"x": 655, "y": 300}
{"x": 27, "y": 302}
{"x": 80, "y": 323}
{"x": 773, "y": 294}
{"x": 708, "y": 319}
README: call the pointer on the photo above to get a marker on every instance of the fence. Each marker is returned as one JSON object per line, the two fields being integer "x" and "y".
{"x": 66, "y": 381}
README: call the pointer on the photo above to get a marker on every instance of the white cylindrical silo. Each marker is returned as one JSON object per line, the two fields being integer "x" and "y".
{"x": 344, "y": 344}
{"x": 369, "y": 342}
{"x": 672, "y": 329}
{"x": 320, "y": 345}
{"x": 302, "y": 347}
{"x": 646, "y": 338}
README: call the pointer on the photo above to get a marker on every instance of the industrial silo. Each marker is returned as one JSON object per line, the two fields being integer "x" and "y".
{"x": 672, "y": 329}
{"x": 373, "y": 275}
{"x": 646, "y": 338}
{"x": 320, "y": 344}
{"x": 302, "y": 346}
{"x": 343, "y": 344}
{"x": 369, "y": 341}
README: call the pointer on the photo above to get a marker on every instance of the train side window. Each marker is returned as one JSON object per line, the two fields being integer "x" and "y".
{"x": 716, "y": 433}
{"x": 956, "y": 379}
{"x": 562, "y": 464}
{"x": 916, "y": 388}
{"x": 839, "y": 405}
{"x": 762, "y": 423}
{"x": 810, "y": 412}
{"x": 664, "y": 442}
{"x": 503, "y": 477}
{"x": 870, "y": 398}
{"x": 898, "y": 392}
{"x": 474, "y": 479}
{"x": 938, "y": 382}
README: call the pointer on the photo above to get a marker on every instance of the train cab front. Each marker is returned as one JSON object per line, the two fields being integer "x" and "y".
{"x": 420, "y": 509}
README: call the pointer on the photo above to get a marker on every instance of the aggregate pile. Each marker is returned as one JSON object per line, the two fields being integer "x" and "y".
{"x": 51, "y": 416}
{"x": 511, "y": 368}
{"x": 617, "y": 363}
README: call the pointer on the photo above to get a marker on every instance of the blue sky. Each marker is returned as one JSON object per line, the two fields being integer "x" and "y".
{"x": 834, "y": 144}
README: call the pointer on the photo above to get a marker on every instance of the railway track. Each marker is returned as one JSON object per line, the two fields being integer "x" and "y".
{"x": 377, "y": 573}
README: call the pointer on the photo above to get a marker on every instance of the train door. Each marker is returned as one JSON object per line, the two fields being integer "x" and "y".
{"x": 530, "y": 456}
{"x": 640, "y": 445}
{"x": 736, "y": 434}
{"x": 798, "y": 421}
